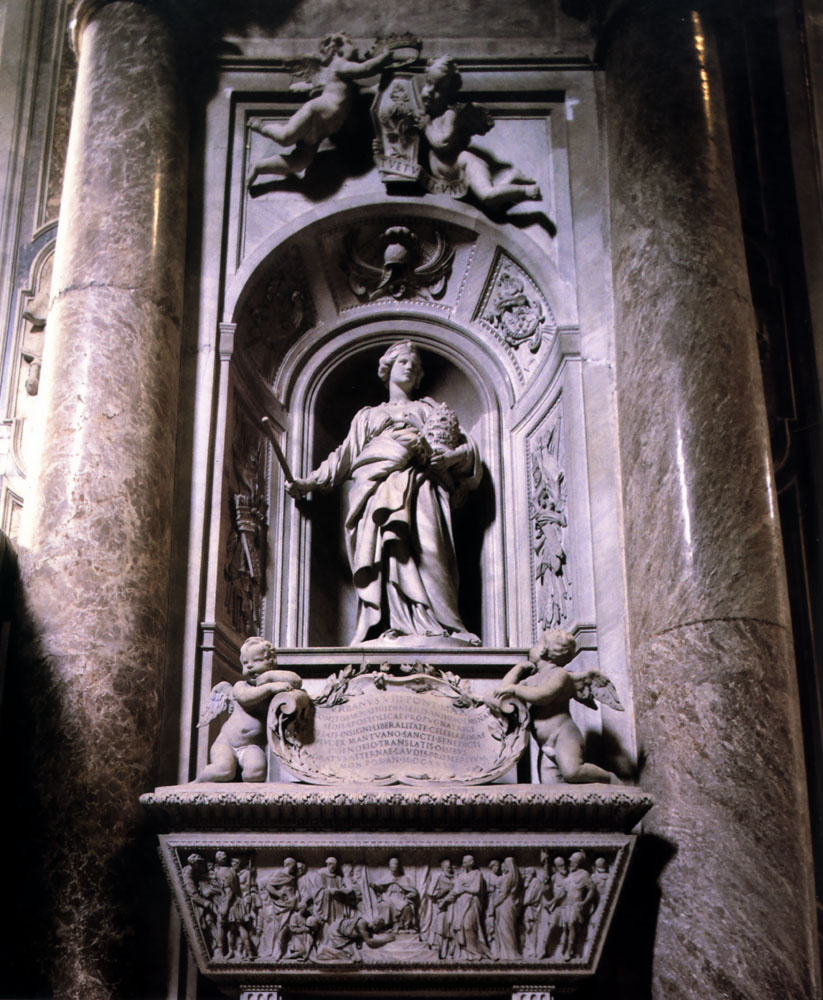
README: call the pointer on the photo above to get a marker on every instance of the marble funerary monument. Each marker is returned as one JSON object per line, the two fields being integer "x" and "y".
{"x": 403, "y": 398}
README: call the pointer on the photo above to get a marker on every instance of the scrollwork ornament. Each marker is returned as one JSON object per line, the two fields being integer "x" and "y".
{"x": 405, "y": 264}
{"x": 518, "y": 318}
{"x": 410, "y": 723}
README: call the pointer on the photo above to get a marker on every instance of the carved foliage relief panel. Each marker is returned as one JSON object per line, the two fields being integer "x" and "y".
{"x": 551, "y": 574}
{"x": 385, "y": 258}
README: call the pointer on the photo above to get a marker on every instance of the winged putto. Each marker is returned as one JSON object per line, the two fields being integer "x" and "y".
{"x": 242, "y": 738}
{"x": 543, "y": 683}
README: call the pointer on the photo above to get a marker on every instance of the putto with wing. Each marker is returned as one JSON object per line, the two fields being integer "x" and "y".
{"x": 242, "y": 738}
{"x": 543, "y": 683}
{"x": 331, "y": 79}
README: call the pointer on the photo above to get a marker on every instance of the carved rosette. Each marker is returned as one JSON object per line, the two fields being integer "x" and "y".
{"x": 549, "y": 527}
{"x": 244, "y": 567}
{"x": 504, "y": 905}
{"x": 409, "y": 723}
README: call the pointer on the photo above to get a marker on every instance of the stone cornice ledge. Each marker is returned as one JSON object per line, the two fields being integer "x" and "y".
{"x": 434, "y": 807}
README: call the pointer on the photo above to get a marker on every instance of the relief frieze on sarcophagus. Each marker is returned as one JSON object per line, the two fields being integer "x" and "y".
{"x": 294, "y": 906}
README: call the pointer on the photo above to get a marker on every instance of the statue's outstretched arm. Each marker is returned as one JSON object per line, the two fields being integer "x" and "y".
{"x": 346, "y": 69}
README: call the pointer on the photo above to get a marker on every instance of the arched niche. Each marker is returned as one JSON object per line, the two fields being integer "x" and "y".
{"x": 301, "y": 348}
{"x": 337, "y": 378}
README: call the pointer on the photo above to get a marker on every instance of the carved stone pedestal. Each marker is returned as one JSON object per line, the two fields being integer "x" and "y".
{"x": 330, "y": 889}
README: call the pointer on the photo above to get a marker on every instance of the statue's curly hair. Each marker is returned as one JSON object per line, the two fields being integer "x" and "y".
{"x": 445, "y": 68}
{"x": 384, "y": 365}
{"x": 555, "y": 645}
{"x": 331, "y": 45}
{"x": 255, "y": 642}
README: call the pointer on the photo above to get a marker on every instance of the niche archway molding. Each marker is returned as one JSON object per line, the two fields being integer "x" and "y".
{"x": 498, "y": 329}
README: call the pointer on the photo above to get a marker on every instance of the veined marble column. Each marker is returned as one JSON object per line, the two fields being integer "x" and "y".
{"x": 98, "y": 521}
{"x": 715, "y": 686}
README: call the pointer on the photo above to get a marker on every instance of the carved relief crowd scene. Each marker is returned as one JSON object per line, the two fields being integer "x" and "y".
{"x": 344, "y": 912}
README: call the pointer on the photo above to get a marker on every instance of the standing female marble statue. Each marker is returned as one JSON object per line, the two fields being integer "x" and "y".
{"x": 406, "y": 461}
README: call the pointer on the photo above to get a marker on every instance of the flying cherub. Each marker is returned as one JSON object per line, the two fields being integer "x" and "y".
{"x": 242, "y": 738}
{"x": 449, "y": 130}
{"x": 331, "y": 78}
{"x": 544, "y": 684}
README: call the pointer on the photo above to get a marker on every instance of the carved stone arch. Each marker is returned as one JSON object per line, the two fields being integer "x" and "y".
{"x": 349, "y": 210}
{"x": 499, "y": 324}
{"x": 293, "y": 282}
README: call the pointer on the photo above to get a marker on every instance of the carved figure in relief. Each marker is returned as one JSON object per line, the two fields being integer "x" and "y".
{"x": 468, "y": 899}
{"x": 508, "y": 908}
{"x": 534, "y": 899}
{"x": 544, "y": 684}
{"x": 437, "y": 926}
{"x": 600, "y": 878}
{"x": 241, "y": 916}
{"x": 242, "y": 737}
{"x": 552, "y": 930}
{"x": 294, "y": 914}
{"x": 494, "y": 877}
{"x": 331, "y": 77}
{"x": 449, "y": 131}
{"x": 348, "y": 933}
{"x": 302, "y": 927}
{"x": 279, "y": 902}
{"x": 196, "y": 882}
{"x": 225, "y": 890}
{"x": 577, "y": 906}
{"x": 406, "y": 462}
{"x": 333, "y": 900}
{"x": 397, "y": 898}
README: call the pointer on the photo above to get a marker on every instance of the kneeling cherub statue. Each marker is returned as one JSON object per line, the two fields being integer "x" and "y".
{"x": 241, "y": 741}
{"x": 543, "y": 683}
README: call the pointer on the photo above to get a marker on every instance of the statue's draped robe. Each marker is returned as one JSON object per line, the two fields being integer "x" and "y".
{"x": 468, "y": 932}
{"x": 398, "y": 522}
{"x": 279, "y": 901}
{"x": 508, "y": 909}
